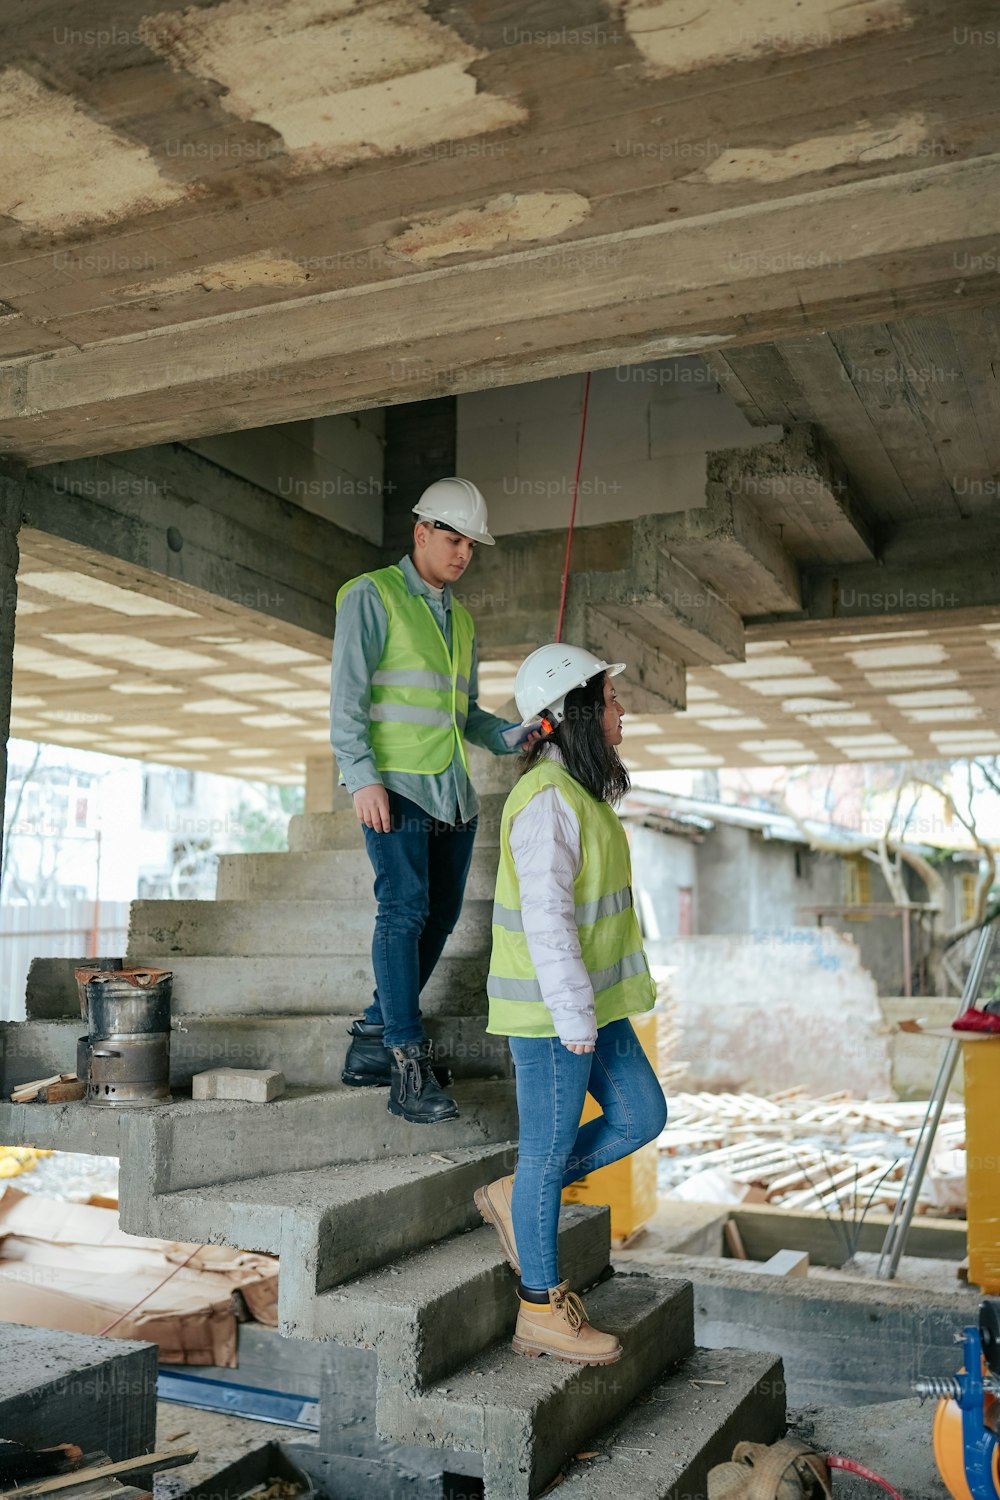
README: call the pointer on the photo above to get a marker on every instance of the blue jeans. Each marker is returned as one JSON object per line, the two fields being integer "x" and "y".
{"x": 555, "y": 1149}
{"x": 421, "y": 867}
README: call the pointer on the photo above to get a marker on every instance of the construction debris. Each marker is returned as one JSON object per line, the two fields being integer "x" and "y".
{"x": 61, "y": 1088}
{"x": 258, "y": 1085}
{"x": 833, "y": 1154}
{"x": 100, "y": 1467}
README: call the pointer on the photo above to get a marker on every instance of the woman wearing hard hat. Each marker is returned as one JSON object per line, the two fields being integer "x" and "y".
{"x": 566, "y": 972}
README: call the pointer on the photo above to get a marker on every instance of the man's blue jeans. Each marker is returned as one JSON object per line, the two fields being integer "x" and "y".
{"x": 555, "y": 1149}
{"x": 421, "y": 867}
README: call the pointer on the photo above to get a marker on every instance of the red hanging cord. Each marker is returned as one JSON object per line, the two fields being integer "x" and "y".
{"x": 146, "y": 1295}
{"x": 855, "y": 1468}
{"x": 572, "y": 518}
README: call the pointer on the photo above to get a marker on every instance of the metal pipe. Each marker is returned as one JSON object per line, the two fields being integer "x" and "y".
{"x": 906, "y": 1203}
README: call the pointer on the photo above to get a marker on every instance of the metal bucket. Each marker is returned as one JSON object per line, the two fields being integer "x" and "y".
{"x": 131, "y": 1069}
{"x": 126, "y": 1001}
{"x": 126, "y": 1055}
{"x": 94, "y": 966}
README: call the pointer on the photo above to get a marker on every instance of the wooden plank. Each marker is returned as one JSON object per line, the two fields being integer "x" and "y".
{"x": 139, "y": 1465}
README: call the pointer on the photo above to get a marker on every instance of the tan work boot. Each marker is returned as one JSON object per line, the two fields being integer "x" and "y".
{"x": 493, "y": 1202}
{"x": 561, "y": 1329}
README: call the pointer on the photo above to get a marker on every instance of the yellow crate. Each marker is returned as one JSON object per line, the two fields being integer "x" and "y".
{"x": 627, "y": 1186}
{"x": 981, "y": 1065}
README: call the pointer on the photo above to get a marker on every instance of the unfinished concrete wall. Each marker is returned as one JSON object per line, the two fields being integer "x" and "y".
{"x": 649, "y": 428}
{"x": 662, "y": 866}
{"x": 331, "y": 466}
{"x": 766, "y": 1011}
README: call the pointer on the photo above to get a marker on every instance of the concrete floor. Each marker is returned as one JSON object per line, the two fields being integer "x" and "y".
{"x": 221, "y": 1441}
{"x": 893, "y": 1438}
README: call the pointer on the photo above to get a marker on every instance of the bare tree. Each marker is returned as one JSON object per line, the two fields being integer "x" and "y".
{"x": 894, "y": 852}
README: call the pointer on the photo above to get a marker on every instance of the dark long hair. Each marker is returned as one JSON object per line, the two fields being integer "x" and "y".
{"x": 589, "y": 758}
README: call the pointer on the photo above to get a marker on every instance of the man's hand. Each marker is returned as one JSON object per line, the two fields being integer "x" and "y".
{"x": 371, "y": 803}
{"x": 533, "y": 737}
{"x": 579, "y": 1047}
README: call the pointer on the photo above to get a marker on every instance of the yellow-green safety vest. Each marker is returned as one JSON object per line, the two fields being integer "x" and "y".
{"x": 420, "y": 690}
{"x": 610, "y": 940}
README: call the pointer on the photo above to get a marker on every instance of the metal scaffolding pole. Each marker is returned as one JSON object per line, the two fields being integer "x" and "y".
{"x": 906, "y": 1203}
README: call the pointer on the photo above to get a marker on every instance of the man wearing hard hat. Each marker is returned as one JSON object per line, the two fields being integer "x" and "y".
{"x": 403, "y": 702}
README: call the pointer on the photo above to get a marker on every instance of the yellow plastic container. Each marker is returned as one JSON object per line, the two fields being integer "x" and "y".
{"x": 981, "y": 1064}
{"x": 627, "y": 1186}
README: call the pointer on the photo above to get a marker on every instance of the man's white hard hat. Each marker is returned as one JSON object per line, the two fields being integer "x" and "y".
{"x": 548, "y": 674}
{"x": 457, "y": 504}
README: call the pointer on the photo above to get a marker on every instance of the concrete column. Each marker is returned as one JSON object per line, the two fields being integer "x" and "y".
{"x": 420, "y": 446}
{"x": 10, "y": 524}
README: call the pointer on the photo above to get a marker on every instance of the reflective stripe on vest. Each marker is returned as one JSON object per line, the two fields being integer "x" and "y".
{"x": 610, "y": 940}
{"x": 601, "y": 979}
{"x": 420, "y": 690}
{"x": 587, "y": 912}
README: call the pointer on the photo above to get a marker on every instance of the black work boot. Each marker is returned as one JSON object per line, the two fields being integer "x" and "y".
{"x": 415, "y": 1094}
{"x": 367, "y": 1064}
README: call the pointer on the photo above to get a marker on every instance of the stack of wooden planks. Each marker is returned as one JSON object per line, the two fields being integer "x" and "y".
{"x": 834, "y": 1153}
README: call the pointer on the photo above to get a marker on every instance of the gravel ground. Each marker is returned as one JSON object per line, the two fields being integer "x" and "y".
{"x": 893, "y": 1438}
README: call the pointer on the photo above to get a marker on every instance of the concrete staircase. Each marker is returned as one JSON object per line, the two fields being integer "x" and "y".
{"x": 381, "y": 1246}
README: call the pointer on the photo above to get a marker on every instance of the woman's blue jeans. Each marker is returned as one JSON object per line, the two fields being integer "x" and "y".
{"x": 554, "y": 1148}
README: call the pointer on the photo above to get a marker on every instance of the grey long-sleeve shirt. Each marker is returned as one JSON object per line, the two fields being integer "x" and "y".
{"x": 358, "y": 642}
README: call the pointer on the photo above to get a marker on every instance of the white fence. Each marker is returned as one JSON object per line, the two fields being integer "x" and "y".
{"x": 66, "y": 931}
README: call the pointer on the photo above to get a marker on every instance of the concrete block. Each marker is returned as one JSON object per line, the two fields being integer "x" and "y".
{"x": 191, "y": 1143}
{"x": 787, "y": 1263}
{"x": 341, "y": 830}
{"x": 61, "y": 1127}
{"x": 528, "y": 1416}
{"x": 225, "y": 985}
{"x": 435, "y": 1311}
{"x": 257, "y": 1085}
{"x": 286, "y": 929}
{"x": 841, "y": 1342}
{"x": 328, "y": 875}
{"x": 320, "y": 1220}
{"x": 664, "y": 1447}
{"x": 71, "y": 1388}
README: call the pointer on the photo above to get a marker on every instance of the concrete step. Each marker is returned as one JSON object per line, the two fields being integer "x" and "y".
{"x": 306, "y": 985}
{"x": 332, "y": 1223}
{"x": 341, "y": 830}
{"x": 309, "y": 1049}
{"x": 664, "y": 1446}
{"x": 528, "y": 1416}
{"x": 431, "y": 1313}
{"x": 193, "y": 1142}
{"x": 327, "y": 875}
{"x": 240, "y": 929}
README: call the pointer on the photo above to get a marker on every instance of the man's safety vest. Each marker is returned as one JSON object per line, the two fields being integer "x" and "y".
{"x": 420, "y": 690}
{"x": 610, "y": 940}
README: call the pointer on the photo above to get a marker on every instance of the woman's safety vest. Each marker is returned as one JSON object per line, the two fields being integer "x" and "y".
{"x": 420, "y": 690}
{"x": 610, "y": 940}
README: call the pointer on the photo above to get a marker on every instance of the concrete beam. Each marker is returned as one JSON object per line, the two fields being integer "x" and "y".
{"x": 702, "y": 627}
{"x": 728, "y": 545}
{"x": 174, "y": 525}
{"x": 929, "y": 571}
{"x": 527, "y": 314}
{"x": 656, "y": 680}
{"x": 802, "y": 492}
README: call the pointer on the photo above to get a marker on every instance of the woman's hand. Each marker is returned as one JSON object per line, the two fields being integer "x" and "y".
{"x": 579, "y": 1047}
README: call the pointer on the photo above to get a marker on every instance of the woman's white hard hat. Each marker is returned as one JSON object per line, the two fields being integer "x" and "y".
{"x": 548, "y": 674}
{"x": 457, "y": 504}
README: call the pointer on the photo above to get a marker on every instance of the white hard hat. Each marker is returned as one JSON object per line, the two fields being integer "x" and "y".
{"x": 548, "y": 674}
{"x": 457, "y": 504}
